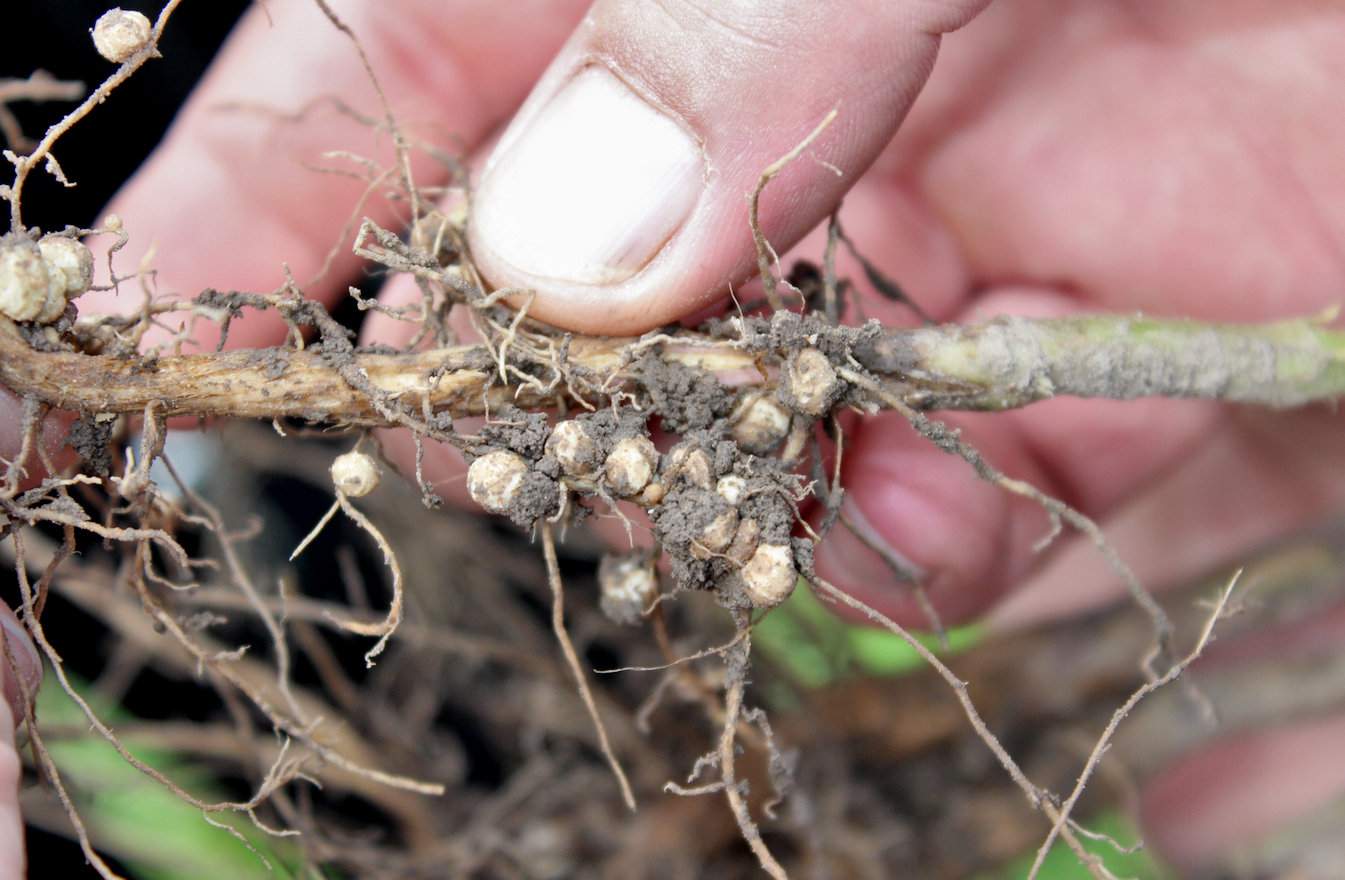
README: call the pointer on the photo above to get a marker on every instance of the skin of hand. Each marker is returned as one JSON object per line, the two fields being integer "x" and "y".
{"x": 1179, "y": 159}
{"x": 13, "y": 710}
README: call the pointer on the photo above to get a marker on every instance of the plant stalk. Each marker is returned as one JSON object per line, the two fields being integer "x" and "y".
{"x": 1000, "y": 364}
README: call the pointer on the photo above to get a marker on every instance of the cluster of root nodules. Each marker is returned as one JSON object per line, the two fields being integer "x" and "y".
{"x": 715, "y": 470}
{"x": 702, "y": 467}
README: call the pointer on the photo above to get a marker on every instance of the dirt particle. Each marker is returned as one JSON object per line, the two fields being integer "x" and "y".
{"x": 539, "y": 497}
{"x": 273, "y": 362}
{"x": 519, "y": 431}
{"x": 91, "y": 437}
{"x": 686, "y": 399}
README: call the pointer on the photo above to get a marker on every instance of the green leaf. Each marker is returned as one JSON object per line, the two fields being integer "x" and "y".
{"x": 138, "y": 821}
{"x": 1062, "y": 864}
{"x": 816, "y": 648}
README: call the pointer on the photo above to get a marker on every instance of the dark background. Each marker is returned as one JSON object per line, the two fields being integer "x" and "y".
{"x": 108, "y": 145}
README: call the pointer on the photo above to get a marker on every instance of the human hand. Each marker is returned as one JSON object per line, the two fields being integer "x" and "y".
{"x": 1177, "y": 160}
{"x": 13, "y": 709}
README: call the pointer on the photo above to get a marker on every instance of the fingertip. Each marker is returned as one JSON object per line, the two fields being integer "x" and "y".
{"x": 22, "y": 673}
{"x": 52, "y": 437}
{"x": 12, "y": 851}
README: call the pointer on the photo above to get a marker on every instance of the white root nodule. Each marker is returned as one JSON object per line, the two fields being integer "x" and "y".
{"x": 627, "y": 586}
{"x": 495, "y": 479}
{"x": 731, "y": 488}
{"x": 574, "y": 448}
{"x": 715, "y": 538}
{"x": 23, "y": 280}
{"x": 760, "y": 423}
{"x": 120, "y": 33}
{"x": 69, "y": 273}
{"x": 810, "y": 383}
{"x": 630, "y": 465}
{"x": 690, "y": 463}
{"x": 744, "y": 541}
{"x": 769, "y": 576}
{"x": 355, "y": 474}
{"x": 37, "y": 280}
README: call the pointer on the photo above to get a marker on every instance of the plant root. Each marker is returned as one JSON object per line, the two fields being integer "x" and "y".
{"x": 572, "y": 660}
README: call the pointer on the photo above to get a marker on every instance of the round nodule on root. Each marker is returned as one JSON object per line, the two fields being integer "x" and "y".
{"x": 630, "y": 465}
{"x": 24, "y": 281}
{"x": 69, "y": 257}
{"x": 574, "y": 448}
{"x": 760, "y": 423}
{"x": 495, "y": 480}
{"x": 715, "y": 538}
{"x": 355, "y": 474}
{"x": 120, "y": 33}
{"x": 769, "y": 576}
{"x": 627, "y": 586}
{"x": 69, "y": 273}
{"x": 689, "y": 462}
{"x": 744, "y": 541}
{"x": 810, "y": 385}
{"x": 653, "y": 494}
{"x": 731, "y": 488}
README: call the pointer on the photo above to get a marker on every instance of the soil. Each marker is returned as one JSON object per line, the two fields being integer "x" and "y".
{"x": 685, "y": 399}
{"x": 91, "y": 438}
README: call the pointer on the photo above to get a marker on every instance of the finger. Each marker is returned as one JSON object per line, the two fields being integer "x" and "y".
{"x": 619, "y": 191}
{"x": 1040, "y": 184}
{"x": 1261, "y": 476}
{"x": 18, "y": 657}
{"x": 226, "y": 199}
{"x": 51, "y": 436}
{"x": 1222, "y": 795}
{"x": 1213, "y": 803}
{"x": 12, "y": 858}
{"x": 22, "y": 670}
{"x": 970, "y": 541}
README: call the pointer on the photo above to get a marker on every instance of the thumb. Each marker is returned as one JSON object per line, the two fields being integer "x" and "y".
{"x": 619, "y": 191}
